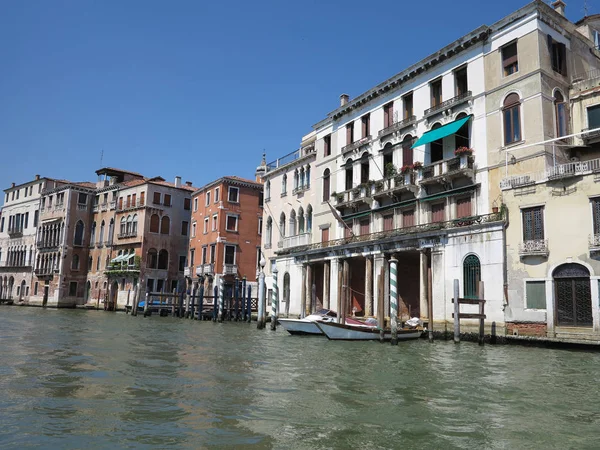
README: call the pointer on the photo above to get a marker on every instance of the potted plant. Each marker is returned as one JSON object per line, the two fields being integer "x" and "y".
{"x": 378, "y": 185}
{"x": 466, "y": 151}
{"x": 390, "y": 170}
{"x": 407, "y": 168}
{"x": 417, "y": 165}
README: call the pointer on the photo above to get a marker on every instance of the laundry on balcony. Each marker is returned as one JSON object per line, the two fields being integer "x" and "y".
{"x": 441, "y": 132}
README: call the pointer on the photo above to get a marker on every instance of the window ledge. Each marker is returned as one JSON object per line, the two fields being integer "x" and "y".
{"x": 514, "y": 144}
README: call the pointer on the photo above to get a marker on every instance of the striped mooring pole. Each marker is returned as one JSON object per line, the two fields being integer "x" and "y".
{"x": 394, "y": 299}
{"x": 221, "y": 298}
{"x": 274, "y": 300}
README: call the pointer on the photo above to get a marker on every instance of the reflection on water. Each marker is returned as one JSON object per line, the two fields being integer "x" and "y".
{"x": 75, "y": 379}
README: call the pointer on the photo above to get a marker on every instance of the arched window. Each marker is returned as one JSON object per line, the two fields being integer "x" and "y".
{"x": 102, "y": 231}
{"x": 302, "y": 181}
{"x": 349, "y": 174}
{"x": 573, "y": 298}
{"x": 165, "y": 223}
{"x": 282, "y": 225}
{"x": 123, "y": 228}
{"x": 364, "y": 168}
{"x": 284, "y": 184}
{"x": 268, "y": 189}
{"x": 93, "y": 234}
{"x": 461, "y": 138}
{"x": 163, "y": 259}
{"x": 134, "y": 224}
{"x": 407, "y": 151}
{"x": 129, "y": 224}
{"x": 560, "y": 110}
{"x": 436, "y": 147}
{"x": 111, "y": 229}
{"x": 292, "y": 229}
{"x": 78, "y": 240}
{"x": 309, "y": 213}
{"x": 326, "y": 185}
{"x": 307, "y": 177}
{"x": 471, "y": 276}
{"x": 296, "y": 179}
{"x": 152, "y": 262}
{"x": 75, "y": 262}
{"x": 269, "y": 237}
{"x": 511, "y": 113}
{"x": 154, "y": 223}
{"x": 300, "y": 220}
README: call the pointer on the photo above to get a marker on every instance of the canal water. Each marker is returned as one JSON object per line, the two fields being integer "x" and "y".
{"x": 86, "y": 380}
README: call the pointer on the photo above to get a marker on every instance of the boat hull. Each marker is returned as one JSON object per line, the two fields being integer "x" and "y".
{"x": 300, "y": 327}
{"x": 339, "y": 332}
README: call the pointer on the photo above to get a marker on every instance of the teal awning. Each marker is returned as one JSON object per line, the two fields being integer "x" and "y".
{"x": 441, "y": 132}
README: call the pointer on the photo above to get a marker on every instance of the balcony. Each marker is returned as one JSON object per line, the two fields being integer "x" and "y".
{"x": 46, "y": 245}
{"x": 558, "y": 172}
{"x": 300, "y": 189}
{"x": 206, "y": 269}
{"x": 130, "y": 205}
{"x": 534, "y": 247}
{"x": 447, "y": 170}
{"x": 126, "y": 235}
{"x": 397, "y": 126}
{"x": 104, "y": 207}
{"x": 294, "y": 241}
{"x": 51, "y": 212}
{"x": 45, "y": 272}
{"x": 15, "y": 232}
{"x": 95, "y": 208}
{"x": 354, "y": 197}
{"x": 594, "y": 243}
{"x": 113, "y": 205}
{"x": 230, "y": 269}
{"x": 403, "y": 182}
{"x": 455, "y": 101}
{"x": 81, "y": 207}
{"x": 357, "y": 144}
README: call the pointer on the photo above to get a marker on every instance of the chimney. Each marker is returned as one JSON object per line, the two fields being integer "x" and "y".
{"x": 37, "y": 177}
{"x": 177, "y": 181}
{"x": 188, "y": 183}
{"x": 12, "y": 184}
{"x": 345, "y": 97}
{"x": 559, "y": 6}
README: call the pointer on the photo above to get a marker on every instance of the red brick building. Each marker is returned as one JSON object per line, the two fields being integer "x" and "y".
{"x": 226, "y": 230}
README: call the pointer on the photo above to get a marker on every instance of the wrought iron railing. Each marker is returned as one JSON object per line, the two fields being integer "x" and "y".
{"x": 407, "y": 232}
{"x": 534, "y": 247}
{"x": 396, "y": 126}
{"x": 357, "y": 144}
{"x": 449, "y": 103}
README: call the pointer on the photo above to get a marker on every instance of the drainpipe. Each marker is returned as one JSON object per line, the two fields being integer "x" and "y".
{"x": 505, "y": 256}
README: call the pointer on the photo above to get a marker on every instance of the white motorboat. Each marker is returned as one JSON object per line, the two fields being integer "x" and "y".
{"x": 308, "y": 324}
{"x": 346, "y": 332}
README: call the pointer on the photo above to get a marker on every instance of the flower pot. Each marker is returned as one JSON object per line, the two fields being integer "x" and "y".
{"x": 494, "y": 209}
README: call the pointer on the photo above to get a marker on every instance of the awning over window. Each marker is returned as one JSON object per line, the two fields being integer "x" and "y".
{"x": 456, "y": 191}
{"x": 117, "y": 259}
{"x": 441, "y": 132}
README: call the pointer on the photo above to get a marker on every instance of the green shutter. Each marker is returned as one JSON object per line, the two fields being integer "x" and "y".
{"x": 535, "y": 293}
{"x": 593, "y": 117}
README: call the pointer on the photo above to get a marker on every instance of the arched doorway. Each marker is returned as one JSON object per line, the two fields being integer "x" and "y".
{"x": 572, "y": 296}
{"x": 22, "y": 291}
{"x": 114, "y": 290}
{"x": 286, "y": 293}
{"x": 88, "y": 289}
{"x": 471, "y": 276}
{"x": 11, "y": 282}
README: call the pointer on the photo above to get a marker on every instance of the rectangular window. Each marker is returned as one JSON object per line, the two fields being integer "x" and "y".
{"x": 184, "y": 228}
{"x": 232, "y": 223}
{"x": 26, "y": 224}
{"x": 460, "y": 81}
{"x": 388, "y": 115}
{"x": 35, "y": 288}
{"x": 260, "y": 224}
{"x": 194, "y": 229}
{"x": 214, "y": 223}
{"x": 535, "y": 294}
{"x": 204, "y": 255}
{"x": 510, "y": 62}
{"x": 463, "y": 207}
{"x": 408, "y": 218}
{"x": 181, "y": 263}
{"x": 233, "y": 195}
{"x": 365, "y": 226}
{"x": 142, "y": 198}
{"x": 327, "y": 145}
{"x": 437, "y": 212}
{"x": 205, "y": 225}
{"x": 82, "y": 200}
{"x": 208, "y": 198}
{"x": 73, "y": 289}
{"x": 128, "y": 203}
{"x": 2, "y": 225}
{"x": 192, "y": 252}
{"x": 150, "y": 285}
{"x": 230, "y": 254}
{"x": 155, "y": 200}
{"x": 36, "y": 217}
{"x": 436, "y": 92}
{"x": 558, "y": 56}
{"x": 196, "y": 204}
{"x": 533, "y": 223}
{"x": 350, "y": 133}
{"x": 366, "y": 125}
{"x": 593, "y": 116}
{"x": 325, "y": 235}
{"x": 213, "y": 253}
{"x": 133, "y": 198}
{"x": 217, "y": 195}
{"x": 595, "y": 215}
{"x": 187, "y": 204}
{"x": 388, "y": 222}
{"x": 167, "y": 201}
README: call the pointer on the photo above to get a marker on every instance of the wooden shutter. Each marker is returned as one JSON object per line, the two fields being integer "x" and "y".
{"x": 533, "y": 224}
{"x": 388, "y": 222}
{"x": 133, "y": 198}
{"x": 142, "y": 198}
{"x": 326, "y": 180}
{"x": 325, "y": 235}
{"x": 437, "y": 212}
{"x": 365, "y": 226}
{"x": 463, "y": 207}
{"x": 407, "y": 152}
{"x": 408, "y": 218}
{"x": 348, "y": 229}
{"x": 349, "y": 133}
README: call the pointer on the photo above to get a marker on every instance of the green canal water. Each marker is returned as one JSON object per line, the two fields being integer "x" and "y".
{"x": 87, "y": 380}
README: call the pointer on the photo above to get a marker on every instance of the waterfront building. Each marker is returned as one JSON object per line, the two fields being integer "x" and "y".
{"x": 18, "y": 226}
{"x": 225, "y": 235}
{"x": 551, "y": 189}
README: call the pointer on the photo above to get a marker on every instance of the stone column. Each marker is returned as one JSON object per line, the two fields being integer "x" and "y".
{"x": 309, "y": 290}
{"x": 340, "y": 291}
{"x": 423, "y": 286}
{"x": 369, "y": 286}
{"x": 345, "y": 289}
{"x": 303, "y": 292}
{"x": 326, "y": 284}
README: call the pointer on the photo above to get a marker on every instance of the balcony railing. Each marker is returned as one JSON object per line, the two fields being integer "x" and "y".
{"x": 391, "y": 185}
{"x": 44, "y": 245}
{"x": 397, "y": 126}
{"x": 299, "y": 239}
{"x": 15, "y": 232}
{"x": 104, "y": 207}
{"x": 300, "y": 189}
{"x": 81, "y": 207}
{"x": 128, "y": 234}
{"x": 113, "y": 205}
{"x": 594, "y": 242}
{"x": 95, "y": 207}
{"x": 449, "y": 103}
{"x": 534, "y": 247}
{"x": 130, "y": 205}
{"x": 459, "y": 165}
{"x": 205, "y": 269}
{"x": 560, "y": 171}
{"x": 407, "y": 232}
{"x": 230, "y": 269}
{"x": 357, "y": 144}
{"x": 45, "y": 271}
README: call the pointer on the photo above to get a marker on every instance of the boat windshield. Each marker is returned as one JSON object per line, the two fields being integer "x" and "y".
{"x": 326, "y": 312}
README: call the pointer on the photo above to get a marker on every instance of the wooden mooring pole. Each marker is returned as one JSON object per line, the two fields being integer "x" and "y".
{"x": 456, "y": 313}
{"x": 249, "y": 303}
{"x": 481, "y": 313}
{"x": 274, "y": 300}
{"x": 215, "y": 303}
{"x": 200, "y": 301}
{"x": 242, "y": 299}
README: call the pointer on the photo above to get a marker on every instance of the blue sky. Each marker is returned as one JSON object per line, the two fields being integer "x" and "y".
{"x": 196, "y": 88}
